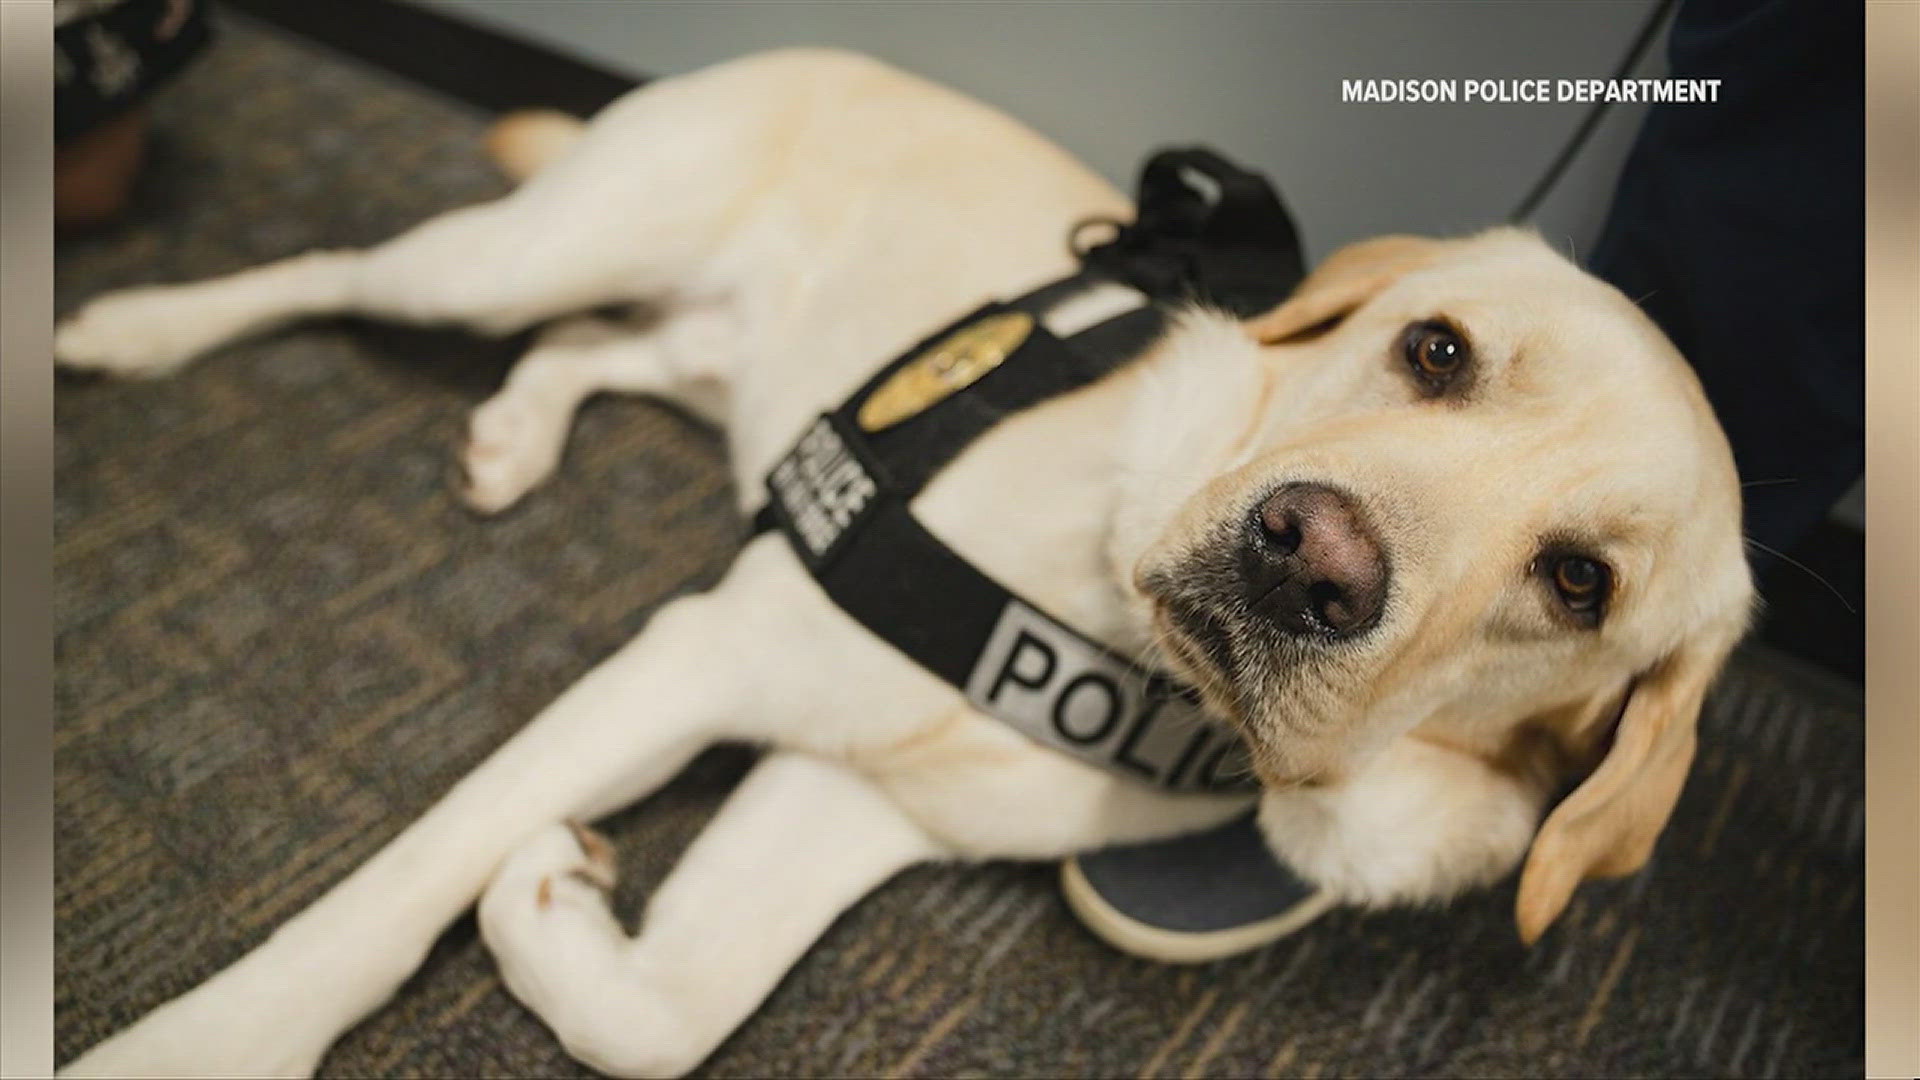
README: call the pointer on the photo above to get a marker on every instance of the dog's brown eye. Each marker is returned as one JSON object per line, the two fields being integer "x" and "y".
{"x": 1581, "y": 583}
{"x": 1434, "y": 352}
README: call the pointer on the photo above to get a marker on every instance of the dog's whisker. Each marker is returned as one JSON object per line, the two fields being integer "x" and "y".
{"x": 1239, "y": 772}
{"x": 1804, "y": 568}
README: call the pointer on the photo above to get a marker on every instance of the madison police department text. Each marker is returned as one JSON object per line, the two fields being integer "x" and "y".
{"x": 1530, "y": 91}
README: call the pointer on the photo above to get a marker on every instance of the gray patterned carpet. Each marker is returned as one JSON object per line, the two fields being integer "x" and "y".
{"x": 279, "y": 637}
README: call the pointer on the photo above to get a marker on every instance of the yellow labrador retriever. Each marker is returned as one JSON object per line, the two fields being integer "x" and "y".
{"x": 1451, "y": 528}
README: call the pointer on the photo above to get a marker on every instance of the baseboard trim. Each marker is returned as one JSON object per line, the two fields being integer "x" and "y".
{"x": 483, "y": 67}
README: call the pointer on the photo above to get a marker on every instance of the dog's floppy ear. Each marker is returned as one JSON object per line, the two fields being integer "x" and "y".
{"x": 1341, "y": 283}
{"x": 1608, "y": 825}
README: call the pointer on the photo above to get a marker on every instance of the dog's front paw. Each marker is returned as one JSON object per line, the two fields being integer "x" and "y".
{"x": 141, "y": 333}
{"x": 565, "y": 957}
{"x": 510, "y": 449}
{"x": 546, "y": 909}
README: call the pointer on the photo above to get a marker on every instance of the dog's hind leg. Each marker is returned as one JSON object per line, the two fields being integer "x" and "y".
{"x": 634, "y": 212}
{"x": 497, "y": 266}
{"x": 627, "y": 726}
{"x": 515, "y": 440}
{"x": 799, "y": 842}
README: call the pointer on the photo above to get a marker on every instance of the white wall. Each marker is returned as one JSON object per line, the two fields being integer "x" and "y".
{"x": 1258, "y": 81}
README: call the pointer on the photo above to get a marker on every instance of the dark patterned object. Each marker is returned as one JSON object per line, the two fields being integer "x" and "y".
{"x": 110, "y": 54}
{"x": 280, "y": 638}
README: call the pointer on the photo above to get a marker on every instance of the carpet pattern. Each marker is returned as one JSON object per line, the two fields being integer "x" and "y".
{"x": 279, "y": 637}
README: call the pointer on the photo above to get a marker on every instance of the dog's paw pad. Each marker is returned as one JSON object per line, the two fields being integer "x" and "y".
{"x": 600, "y": 870}
{"x": 506, "y": 455}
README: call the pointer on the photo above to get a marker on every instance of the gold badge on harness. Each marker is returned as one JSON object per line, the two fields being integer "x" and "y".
{"x": 954, "y": 362}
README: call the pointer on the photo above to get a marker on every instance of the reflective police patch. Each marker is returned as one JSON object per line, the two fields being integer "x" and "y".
{"x": 1062, "y": 690}
{"x": 822, "y": 489}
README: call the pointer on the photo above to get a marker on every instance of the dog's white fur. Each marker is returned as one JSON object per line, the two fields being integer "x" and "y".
{"x": 796, "y": 218}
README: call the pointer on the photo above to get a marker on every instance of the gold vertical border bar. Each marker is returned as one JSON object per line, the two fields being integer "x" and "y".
{"x": 1893, "y": 535}
{"x": 26, "y": 537}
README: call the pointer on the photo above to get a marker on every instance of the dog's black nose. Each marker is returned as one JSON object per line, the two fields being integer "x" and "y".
{"x": 1312, "y": 565}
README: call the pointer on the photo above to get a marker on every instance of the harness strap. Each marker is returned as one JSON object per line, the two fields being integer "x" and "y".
{"x": 842, "y": 494}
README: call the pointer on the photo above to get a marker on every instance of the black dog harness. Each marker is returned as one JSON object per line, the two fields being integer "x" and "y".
{"x": 1206, "y": 231}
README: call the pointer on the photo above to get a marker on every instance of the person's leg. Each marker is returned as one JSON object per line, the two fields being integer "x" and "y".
{"x": 1737, "y": 226}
